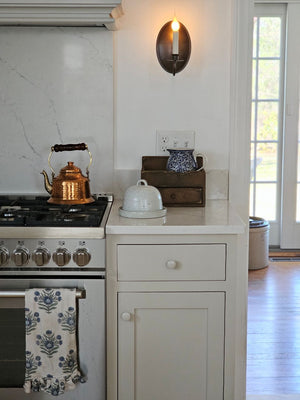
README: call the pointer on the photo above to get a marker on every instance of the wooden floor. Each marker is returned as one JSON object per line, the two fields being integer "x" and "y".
{"x": 273, "y": 365}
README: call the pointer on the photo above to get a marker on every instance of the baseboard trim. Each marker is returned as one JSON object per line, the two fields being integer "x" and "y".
{"x": 273, "y": 397}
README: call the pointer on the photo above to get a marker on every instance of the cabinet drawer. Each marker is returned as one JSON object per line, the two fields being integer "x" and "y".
{"x": 171, "y": 262}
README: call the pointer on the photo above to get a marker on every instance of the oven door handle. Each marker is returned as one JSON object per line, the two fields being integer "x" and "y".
{"x": 80, "y": 293}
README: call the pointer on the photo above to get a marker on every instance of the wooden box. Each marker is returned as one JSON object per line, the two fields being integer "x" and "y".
{"x": 176, "y": 189}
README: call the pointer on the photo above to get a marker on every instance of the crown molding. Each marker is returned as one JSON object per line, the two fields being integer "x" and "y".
{"x": 61, "y": 13}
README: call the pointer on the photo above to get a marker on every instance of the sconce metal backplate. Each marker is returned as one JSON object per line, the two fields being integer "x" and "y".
{"x": 169, "y": 62}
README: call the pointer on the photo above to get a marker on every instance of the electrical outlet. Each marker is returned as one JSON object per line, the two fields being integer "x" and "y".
{"x": 173, "y": 139}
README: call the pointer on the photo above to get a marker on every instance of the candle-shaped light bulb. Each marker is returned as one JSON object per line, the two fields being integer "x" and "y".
{"x": 175, "y": 25}
{"x": 175, "y": 28}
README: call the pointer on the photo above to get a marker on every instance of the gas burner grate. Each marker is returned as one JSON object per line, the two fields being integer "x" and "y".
{"x": 35, "y": 211}
{"x": 65, "y": 219}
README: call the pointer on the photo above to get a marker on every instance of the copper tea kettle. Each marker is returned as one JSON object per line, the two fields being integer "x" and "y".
{"x": 70, "y": 186}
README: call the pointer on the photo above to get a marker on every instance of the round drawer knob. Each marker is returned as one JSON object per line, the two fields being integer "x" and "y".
{"x": 171, "y": 264}
{"x": 126, "y": 316}
{"x": 41, "y": 256}
{"x": 81, "y": 257}
{"x": 61, "y": 257}
{"x": 20, "y": 256}
{"x": 4, "y": 256}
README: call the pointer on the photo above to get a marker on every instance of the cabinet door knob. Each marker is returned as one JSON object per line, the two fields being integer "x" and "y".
{"x": 126, "y": 316}
{"x": 171, "y": 264}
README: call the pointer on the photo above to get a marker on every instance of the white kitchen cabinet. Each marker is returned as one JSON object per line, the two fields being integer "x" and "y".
{"x": 170, "y": 346}
{"x": 176, "y": 306}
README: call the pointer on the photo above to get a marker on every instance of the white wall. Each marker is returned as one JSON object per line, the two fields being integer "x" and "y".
{"x": 148, "y": 98}
{"x": 56, "y": 86}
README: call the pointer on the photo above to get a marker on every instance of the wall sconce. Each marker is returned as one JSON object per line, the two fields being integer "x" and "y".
{"x": 173, "y": 46}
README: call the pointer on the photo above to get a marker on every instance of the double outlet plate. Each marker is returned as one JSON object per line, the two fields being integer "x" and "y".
{"x": 172, "y": 140}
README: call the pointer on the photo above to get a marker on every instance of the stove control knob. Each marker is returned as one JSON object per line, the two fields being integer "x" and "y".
{"x": 81, "y": 257}
{"x": 20, "y": 256}
{"x": 61, "y": 257}
{"x": 41, "y": 256}
{"x": 4, "y": 256}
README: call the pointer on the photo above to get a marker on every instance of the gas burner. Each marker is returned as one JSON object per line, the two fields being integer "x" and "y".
{"x": 7, "y": 214}
{"x": 36, "y": 211}
{"x": 67, "y": 219}
{"x": 8, "y": 209}
{"x": 74, "y": 209}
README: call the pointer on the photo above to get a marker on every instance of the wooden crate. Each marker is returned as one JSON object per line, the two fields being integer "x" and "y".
{"x": 176, "y": 189}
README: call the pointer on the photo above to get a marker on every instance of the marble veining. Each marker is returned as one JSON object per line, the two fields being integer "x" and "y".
{"x": 56, "y": 87}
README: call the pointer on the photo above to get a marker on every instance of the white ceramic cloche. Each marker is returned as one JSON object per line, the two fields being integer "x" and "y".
{"x": 142, "y": 201}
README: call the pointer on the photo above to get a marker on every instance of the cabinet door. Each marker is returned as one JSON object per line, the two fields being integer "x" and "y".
{"x": 170, "y": 346}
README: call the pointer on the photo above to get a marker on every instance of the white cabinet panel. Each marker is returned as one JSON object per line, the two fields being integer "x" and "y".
{"x": 170, "y": 346}
{"x": 171, "y": 262}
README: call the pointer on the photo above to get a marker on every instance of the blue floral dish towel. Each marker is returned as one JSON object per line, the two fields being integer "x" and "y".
{"x": 51, "y": 351}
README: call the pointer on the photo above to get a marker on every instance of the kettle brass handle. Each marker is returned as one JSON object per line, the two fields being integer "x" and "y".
{"x": 69, "y": 147}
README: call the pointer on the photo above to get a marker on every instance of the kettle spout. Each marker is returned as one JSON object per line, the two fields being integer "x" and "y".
{"x": 47, "y": 184}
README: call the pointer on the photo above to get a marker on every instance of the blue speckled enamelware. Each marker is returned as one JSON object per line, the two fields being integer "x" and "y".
{"x": 181, "y": 160}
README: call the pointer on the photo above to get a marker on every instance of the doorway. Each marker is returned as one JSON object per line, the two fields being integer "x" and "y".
{"x": 275, "y": 139}
{"x": 273, "y": 320}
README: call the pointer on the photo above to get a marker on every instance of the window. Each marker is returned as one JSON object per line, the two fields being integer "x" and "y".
{"x": 266, "y": 124}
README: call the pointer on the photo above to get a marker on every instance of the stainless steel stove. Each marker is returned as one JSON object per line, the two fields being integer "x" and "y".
{"x": 39, "y": 238}
{"x": 52, "y": 246}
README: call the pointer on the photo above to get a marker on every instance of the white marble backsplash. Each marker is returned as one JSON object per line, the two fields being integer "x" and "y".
{"x": 56, "y": 87}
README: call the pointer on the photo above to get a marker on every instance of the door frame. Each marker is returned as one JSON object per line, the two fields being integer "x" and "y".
{"x": 290, "y": 237}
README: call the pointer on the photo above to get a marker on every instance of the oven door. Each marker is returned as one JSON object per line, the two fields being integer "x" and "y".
{"x": 91, "y": 338}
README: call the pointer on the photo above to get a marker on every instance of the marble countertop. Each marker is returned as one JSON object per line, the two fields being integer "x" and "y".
{"x": 217, "y": 217}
